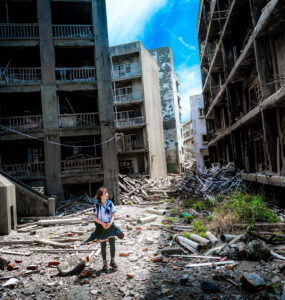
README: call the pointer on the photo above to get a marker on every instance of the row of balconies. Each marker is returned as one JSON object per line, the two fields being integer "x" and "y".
{"x": 31, "y": 31}
{"x": 83, "y": 120}
{"x": 74, "y": 166}
{"x": 63, "y": 75}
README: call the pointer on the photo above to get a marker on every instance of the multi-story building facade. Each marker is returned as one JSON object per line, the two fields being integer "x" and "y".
{"x": 243, "y": 69}
{"x": 138, "y": 114}
{"x": 171, "y": 109}
{"x": 199, "y": 131}
{"x": 56, "y": 96}
{"x": 188, "y": 147}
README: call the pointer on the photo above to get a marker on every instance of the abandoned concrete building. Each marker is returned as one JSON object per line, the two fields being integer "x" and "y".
{"x": 171, "y": 109}
{"x": 138, "y": 115}
{"x": 242, "y": 46}
{"x": 56, "y": 96}
{"x": 195, "y": 136}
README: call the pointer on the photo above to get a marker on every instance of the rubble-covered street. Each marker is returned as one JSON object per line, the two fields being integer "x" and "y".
{"x": 157, "y": 259}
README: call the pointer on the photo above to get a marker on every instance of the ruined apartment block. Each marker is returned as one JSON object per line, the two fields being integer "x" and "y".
{"x": 56, "y": 85}
{"x": 242, "y": 46}
{"x": 138, "y": 114}
{"x": 171, "y": 109}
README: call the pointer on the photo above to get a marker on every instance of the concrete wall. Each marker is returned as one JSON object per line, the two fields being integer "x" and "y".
{"x": 280, "y": 48}
{"x": 153, "y": 115}
{"x": 170, "y": 108}
{"x": 8, "y": 211}
{"x": 199, "y": 128}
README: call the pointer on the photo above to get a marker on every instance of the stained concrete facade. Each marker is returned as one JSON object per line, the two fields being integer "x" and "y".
{"x": 198, "y": 131}
{"x": 138, "y": 115}
{"x": 56, "y": 86}
{"x": 242, "y": 63}
{"x": 171, "y": 109}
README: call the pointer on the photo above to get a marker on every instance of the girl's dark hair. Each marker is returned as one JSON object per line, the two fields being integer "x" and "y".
{"x": 99, "y": 193}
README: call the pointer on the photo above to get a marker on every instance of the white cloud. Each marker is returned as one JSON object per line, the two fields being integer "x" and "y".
{"x": 127, "y": 18}
{"x": 191, "y": 47}
{"x": 190, "y": 84}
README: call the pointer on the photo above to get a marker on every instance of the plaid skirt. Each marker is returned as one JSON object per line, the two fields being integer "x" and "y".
{"x": 100, "y": 234}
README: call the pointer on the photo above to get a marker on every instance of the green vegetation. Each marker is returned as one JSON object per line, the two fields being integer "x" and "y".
{"x": 188, "y": 203}
{"x": 203, "y": 234}
{"x": 172, "y": 200}
{"x": 173, "y": 210}
{"x": 186, "y": 234}
{"x": 199, "y": 205}
{"x": 188, "y": 218}
{"x": 129, "y": 203}
{"x": 210, "y": 218}
{"x": 220, "y": 198}
{"x": 198, "y": 226}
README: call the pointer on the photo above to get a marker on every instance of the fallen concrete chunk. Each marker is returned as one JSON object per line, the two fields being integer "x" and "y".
{"x": 156, "y": 212}
{"x": 252, "y": 281}
{"x": 170, "y": 251}
{"x": 146, "y": 220}
{"x": 72, "y": 266}
{"x": 59, "y": 221}
{"x": 257, "y": 250}
{"x": 210, "y": 287}
{"x": 214, "y": 240}
{"x": 3, "y": 263}
{"x": 217, "y": 250}
{"x": 11, "y": 282}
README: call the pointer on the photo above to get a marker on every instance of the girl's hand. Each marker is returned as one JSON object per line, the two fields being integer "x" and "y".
{"x": 105, "y": 225}
{"x": 109, "y": 225}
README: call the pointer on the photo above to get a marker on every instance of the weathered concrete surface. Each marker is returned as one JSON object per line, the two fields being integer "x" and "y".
{"x": 8, "y": 211}
{"x": 170, "y": 105}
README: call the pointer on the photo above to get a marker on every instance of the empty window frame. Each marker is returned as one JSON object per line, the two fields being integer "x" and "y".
{"x": 255, "y": 95}
{"x": 201, "y": 112}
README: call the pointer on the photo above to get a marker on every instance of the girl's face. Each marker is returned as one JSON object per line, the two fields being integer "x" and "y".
{"x": 106, "y": 195}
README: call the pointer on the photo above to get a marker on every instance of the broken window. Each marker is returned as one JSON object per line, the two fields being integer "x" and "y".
{"x": 201, "y": 112}
{"x": 259, "y": 154}
{"x": 126, "y": 167}
{"x": 255, "y": 94}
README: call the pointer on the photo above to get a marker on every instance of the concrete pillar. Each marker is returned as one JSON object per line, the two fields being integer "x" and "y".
{"x": 8, "y": 211}
{"x": 105, "y": 98}
{"x": 51, "y": 207}
{"x": 49, "y": 100}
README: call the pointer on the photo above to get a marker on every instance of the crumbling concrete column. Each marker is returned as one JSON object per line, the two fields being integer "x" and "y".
{"x": 8, "y": 211}
{"x": 105, "y": 98}
{"x": 51, "y": 207}
{"x": 49, "y": 100}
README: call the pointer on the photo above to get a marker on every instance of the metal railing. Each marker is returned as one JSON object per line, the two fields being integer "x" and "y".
{"x": 23, "y": 122}
{"x": 80, "y": 74}
{"x": 18, "y": 31}
{"x": 125, "y": 70}
{"x": 132, "y": 97}
{"x": 25, "y": 170}
{"x": 128, "y": 144}
{"x": 72, "y": 31}
{"x": 129, "y": 121}
{"x": 82, "y": 165}
{"x": 20, "y": 75}
{"x": 79, "y": 120}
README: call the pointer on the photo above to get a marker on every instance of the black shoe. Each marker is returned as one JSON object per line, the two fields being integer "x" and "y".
{"x": 113, "y": 264}
{"x": 105, "y": 266}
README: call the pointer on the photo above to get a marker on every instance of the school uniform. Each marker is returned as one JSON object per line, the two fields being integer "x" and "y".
{"x": 104, "y": 214}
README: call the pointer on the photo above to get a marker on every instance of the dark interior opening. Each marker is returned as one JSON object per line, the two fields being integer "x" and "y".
{"x": 74, "y": 57}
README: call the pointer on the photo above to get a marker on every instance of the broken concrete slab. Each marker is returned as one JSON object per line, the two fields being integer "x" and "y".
{"x": 252, "y": 281}
{"x": 170, "y": 251}
{"x": 3, "y": 263}
{"x": 11, "y": 282}
{"x": 73, "y": 265}
{"x": 257, "y": 250}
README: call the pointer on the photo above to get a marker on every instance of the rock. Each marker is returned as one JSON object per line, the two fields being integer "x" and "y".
{"x": 165, "y": 260}
{"x": 252, "y": 281}
{"x": 28, "y": 291}
{"x": 123, "y": 254}
{"x": 217, "y": 250}
{"x": 184, "y": 280}
{"x": 157, "y": 259}
{"x": 12, "y": 266}
{"x": 130, "y": 276}
{"x": 73, "y": 265}
{"x": 133, "y": 259}
{"x": 3, "y": 263}
{"x": 165, "y": 291}
{"x": 257, "y": 250}
{"x": 282, "y": 268}
{"x": 78, "y": 293}
{"x": 11, "y": 282}
{"x": 210, "y": 287}
{"x": 170, "y": 251}
{"x": 53, "y": 263}
{"x": 32, "y": 267}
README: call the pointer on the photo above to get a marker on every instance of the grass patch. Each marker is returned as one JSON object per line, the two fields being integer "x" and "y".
{"x": 186, "y": 234}
{"x": 172, "y": 200}
{"x": 188, "y": 203}
{"x": 188, "y": 219}
{"x": 198, "y": 226}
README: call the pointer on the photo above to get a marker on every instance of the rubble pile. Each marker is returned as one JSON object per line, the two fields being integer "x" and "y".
{"x": 140, "y": 189}
{"x": 209, "y": 184}
{"x": 46, "y": 260}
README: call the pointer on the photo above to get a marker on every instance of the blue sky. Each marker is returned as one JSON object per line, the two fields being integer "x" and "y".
{"x": 159, "y": 23}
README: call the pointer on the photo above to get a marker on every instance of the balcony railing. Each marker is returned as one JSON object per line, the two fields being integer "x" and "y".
{"x": 81, "y": 74}
{"x": 20, "y": 75}
{"x": 127, "y": 144}
{"x": 18, "y": 31}
{"x": 79, "y": 120}
{"x": 125, "y": 70}
{"x": 72, "y": 31}
{"x": 133, "y": 97}
{"x": 129, "y": 121}
{"x": 25, "y": 170}
{"x": 23, "y": 122}
{"x": 82, "y": 165}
